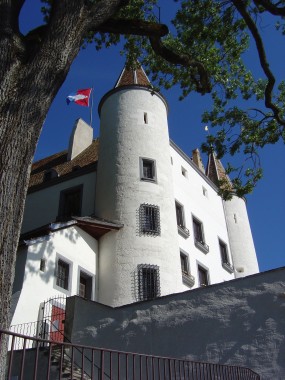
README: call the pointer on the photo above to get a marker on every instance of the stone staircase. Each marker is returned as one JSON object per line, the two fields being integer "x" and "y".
{"x": 67, "y": 371}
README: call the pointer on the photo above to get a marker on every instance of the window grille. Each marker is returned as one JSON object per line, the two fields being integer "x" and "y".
{"x": 148, "y": 282}
{"x": 62, "y": 274}
{"x": 149, "y": 219}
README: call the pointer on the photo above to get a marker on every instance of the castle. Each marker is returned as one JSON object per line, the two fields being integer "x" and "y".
{"x": 127, "y": 217}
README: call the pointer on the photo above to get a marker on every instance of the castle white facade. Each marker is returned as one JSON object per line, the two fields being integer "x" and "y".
{"x": 129, "y": 217}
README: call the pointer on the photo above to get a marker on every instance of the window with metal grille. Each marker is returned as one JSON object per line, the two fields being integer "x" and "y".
{"x": 148, "y": 282}
{"x": 149, "y": 219}
{"x": 147, "y": 169}
{"x": 62, "y": 274}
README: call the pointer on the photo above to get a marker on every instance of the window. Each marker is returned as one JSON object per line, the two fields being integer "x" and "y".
{"x": 70, "y": 202}
{"x": 205, "y": 192}
{"x": 43, "y": 265}
{"x": 149, "y": 219}
{"x": 49, "y": 174}
{"x": 203, "y": 276}
{"x": 225, "y": 257}
{"x": 199, "y": 235}
{"x": 180, "y": 220}
{"x": 145, "y": 118}
{"x": 148, "y": 282}
{"x": 184, "y": 172}
{"x": 62, "y": 275}
{"x": 85, "y": 286}
{"x": 184, "y": 263}
{"x": 147, "y": 169}
{"x": 187, "y": 278}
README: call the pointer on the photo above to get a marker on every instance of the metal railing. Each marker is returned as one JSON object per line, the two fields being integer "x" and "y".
{"x": 49, "y": 360}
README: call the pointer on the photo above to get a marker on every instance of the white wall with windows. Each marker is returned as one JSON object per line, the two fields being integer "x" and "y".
{"x": 63, "y": 263}
{"x": 200, "y": 211}
{"x": 43, "y": 206}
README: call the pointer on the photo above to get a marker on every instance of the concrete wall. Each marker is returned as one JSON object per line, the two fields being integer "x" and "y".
{"x": 240, "y": 322}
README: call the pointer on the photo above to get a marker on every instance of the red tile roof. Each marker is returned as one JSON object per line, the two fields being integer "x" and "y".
{"x": 59, "y": 163}
{"x": 133, "y": 76}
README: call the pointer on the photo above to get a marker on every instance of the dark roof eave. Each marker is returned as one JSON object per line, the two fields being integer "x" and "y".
{"x": 93, "y": 226}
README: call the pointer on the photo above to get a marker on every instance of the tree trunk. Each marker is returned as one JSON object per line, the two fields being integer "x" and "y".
{"x": 32, "y": 69}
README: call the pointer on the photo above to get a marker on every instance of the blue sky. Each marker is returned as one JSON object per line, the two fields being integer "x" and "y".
{"x": 266, "y": 206}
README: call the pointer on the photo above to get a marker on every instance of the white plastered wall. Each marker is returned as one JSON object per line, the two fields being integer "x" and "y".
{"x": 124, "y": 138}
{"x": 242, "y": 245}
{"x": 72, "y": 245}
{"x": 42, "y": 206}
{"x": 208, "y": 208}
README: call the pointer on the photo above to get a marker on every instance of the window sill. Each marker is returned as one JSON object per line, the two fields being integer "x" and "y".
{"x": 188, "y": 279}
{"x": 202, "y": 246}
{"x": 183, "y": 231}
{"x": 153, "y": 180}
{"x": 228, "y": 267}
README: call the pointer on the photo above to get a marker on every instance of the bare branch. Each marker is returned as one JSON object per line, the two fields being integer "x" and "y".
{"x": 240, "y": 6}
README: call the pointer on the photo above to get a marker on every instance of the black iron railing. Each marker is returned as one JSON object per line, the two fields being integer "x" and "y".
{"x": 55, "y": 360}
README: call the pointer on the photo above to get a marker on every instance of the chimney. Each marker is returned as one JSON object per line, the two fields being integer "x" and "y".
{"x": 197, "y": 160}
{"x": 80, "y": 139}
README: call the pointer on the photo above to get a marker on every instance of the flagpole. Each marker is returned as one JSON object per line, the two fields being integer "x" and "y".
{"x": 91, "y": 107}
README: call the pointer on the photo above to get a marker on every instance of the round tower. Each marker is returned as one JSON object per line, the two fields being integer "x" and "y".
{"x": 239, "y": 231}
{"x": 134, "y": 187}
{"x": 240, "y": 237}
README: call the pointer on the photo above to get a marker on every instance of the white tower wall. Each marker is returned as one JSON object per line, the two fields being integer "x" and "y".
{"x": 134, "y": 125}
{"x": 240, "y": 237}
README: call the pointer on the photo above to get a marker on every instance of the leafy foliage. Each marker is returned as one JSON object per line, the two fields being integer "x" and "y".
{"x": 247, "y": 113}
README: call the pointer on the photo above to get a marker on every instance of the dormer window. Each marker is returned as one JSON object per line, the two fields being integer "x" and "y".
{"x": 50, "y": 174}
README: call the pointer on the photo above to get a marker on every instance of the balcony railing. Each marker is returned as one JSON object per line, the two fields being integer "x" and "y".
{"x": 55, "y": 360}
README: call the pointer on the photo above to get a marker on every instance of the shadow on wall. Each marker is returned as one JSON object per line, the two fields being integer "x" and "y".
{"x": 240, "y": 322}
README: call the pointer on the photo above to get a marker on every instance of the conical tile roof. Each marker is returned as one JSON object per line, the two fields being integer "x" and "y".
{"x": 216, "y": 172}
{"x": 133, "y": 75}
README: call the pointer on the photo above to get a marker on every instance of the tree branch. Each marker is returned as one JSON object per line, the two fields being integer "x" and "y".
{"x": 271, "y": 8}
{"x": 240, "y": 6}
{"x": 134, "y": 27}
{"x": 200, "y": 78}
{"x": 155, "y": 31}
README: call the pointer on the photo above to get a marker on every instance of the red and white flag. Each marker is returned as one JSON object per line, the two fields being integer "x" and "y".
{"x": 80, "y": 97}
